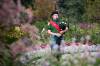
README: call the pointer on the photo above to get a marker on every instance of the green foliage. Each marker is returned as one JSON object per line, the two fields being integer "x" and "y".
{"x": 13, "y": 35}
{"x": 5, "y": 57}
{"x": 43, "y": 27}
{"x": 72, "y": 9}
{"x": 92, "y": 10}
{"x": 96, "y": 38}
{"x": 75, "y": 11}
{"x": 44, "y": 9}
{"x": 73, "y": 31}
{"x": 28, "y": 3}
{"x": 97, "y": 62}
{"x": 41, "y": 24}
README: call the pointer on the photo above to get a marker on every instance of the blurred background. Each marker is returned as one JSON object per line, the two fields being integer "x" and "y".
{"x": 23, "y": 25}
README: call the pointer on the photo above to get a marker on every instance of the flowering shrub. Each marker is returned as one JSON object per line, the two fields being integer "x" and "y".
{"x": 14, "y": 34}
{"x": 74, "y": 55}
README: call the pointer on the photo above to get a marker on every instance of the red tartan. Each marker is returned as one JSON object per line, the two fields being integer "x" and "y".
{"x": 55, "y": 25}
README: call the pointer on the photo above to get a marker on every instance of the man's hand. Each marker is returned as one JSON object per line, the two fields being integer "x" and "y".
{"x": 63, "y": 31}
{"x": 57, "y": 34}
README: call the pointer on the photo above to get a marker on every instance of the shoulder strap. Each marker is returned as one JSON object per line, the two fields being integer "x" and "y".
{"x": 55, "y": 25}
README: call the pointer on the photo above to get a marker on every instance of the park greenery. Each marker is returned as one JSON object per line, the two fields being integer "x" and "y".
{"x": 29, "y": 18}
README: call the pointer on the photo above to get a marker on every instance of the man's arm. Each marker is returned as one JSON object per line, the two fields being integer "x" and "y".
{"x": 63, "y": 31}
{"x": 52, "y": 33}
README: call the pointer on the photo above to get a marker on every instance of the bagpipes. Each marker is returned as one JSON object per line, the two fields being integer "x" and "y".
{"x": 61, "y": 26}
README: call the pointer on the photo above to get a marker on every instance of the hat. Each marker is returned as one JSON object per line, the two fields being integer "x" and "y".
{"x": 54, "y": 12}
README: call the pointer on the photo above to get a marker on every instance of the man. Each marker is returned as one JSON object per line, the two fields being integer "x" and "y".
{"x": 56, "y": 33}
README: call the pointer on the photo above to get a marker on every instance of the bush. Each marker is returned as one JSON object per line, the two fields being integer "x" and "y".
{"x": 13, "y": 35}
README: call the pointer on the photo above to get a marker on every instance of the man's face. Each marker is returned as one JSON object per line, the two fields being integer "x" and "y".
{"x": 55, "y": 16}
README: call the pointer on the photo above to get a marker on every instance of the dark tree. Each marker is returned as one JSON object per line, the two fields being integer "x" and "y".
{"x": 72, "y": 9}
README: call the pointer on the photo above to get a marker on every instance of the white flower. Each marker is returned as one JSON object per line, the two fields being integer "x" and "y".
{"x": 88, "y": 37}
{"x": 17, "y": 29}
{"x": 75, "y": 61}
{"x": 23, "y": 60}
{"x": 73, "y": 39}
{"x": 43, "y": 30}
{"x": 91, "y": 60}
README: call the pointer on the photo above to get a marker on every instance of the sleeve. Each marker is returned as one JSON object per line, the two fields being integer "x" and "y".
{"x": 49, "y": 27}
